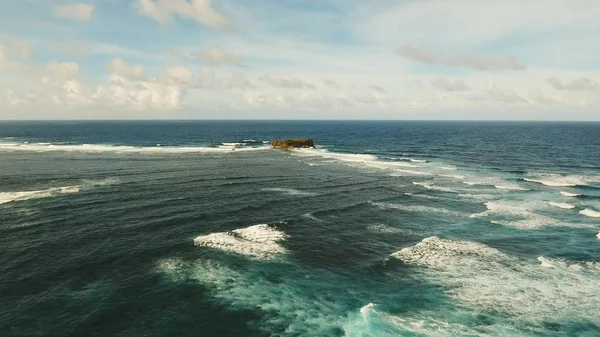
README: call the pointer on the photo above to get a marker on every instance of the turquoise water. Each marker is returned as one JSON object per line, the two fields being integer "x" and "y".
{"x": 386, "y": 229}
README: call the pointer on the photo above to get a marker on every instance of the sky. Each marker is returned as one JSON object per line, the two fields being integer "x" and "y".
{"x": 300, "y": 59}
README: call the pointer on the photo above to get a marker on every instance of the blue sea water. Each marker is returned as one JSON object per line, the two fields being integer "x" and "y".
{"x": 198, "y": 228}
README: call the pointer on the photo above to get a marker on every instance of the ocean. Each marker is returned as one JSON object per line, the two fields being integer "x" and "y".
{"x": 387, "y": 228}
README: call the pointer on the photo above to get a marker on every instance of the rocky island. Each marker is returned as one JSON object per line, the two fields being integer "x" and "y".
{"x": 293, "y": 143}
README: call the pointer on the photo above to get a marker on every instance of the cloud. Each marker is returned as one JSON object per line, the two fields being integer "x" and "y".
{"x": 78, "y": 12}
{"x": 331, "y": 83}
{"x": 118, "y": 67}
{"x": 199, "y": 10}
{"x": 447, "y": 85}
{"x": 281, "y": 82}
{"x": 473, "y": 61}
{"x": 218, "y": 57}
{"x": 580, "y": 84}
{"x": 378, "y": 89}
{"x": 503, "y": 95}
{"x": 13, "y": 99}
{"x": 14, "y": 56}
{"x": 236, "y": 81}
{"x": 63, "y": 71}
{"x": 127, "y": 87}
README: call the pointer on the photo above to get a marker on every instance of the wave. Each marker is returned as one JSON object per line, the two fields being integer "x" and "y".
{"x": 468, "y": 271}
{"x": 590, "y": 213}
{"x": 249, "y": 141}
{"x": 560, "y": 180}
{"x": 415, "y": 208}
{"x": 382, "y": 228}
{"x": 312, "y": 217}
{"x": 512, "y": 187}
{"x": 99, "y": 148}
{"x": 362, "y": 160}
{"x": 261, "y": 242}
{"x": 568, "y": 194}
{"x": 414, "y": 160}
{"x": 6, "y": 197}
{"x": 452, "y": 176}
{"x": 522, "y": 215}
{"x": 288, "y": 191}
{"x": 497, "y": 182}
{"x": 431, "y": 186}
{"x": 234, "y": 144}
{"x": 561, "y": 205}
{"x": 422, "y": 196}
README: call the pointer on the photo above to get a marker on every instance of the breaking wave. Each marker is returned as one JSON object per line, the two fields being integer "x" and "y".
{"x": 561, "y": 205}
{"x": 522, "y": 215}
{"x": 483, "y": 278}
{"x": 568, "y": 194}
{"x": 99, "y": 148}
{"x": 590, "y": 213}
{"x": 559, "y": 180}
{"x": 261, "y": 242}
{"x": 7, "y": 197}
{"x": 288, "y": 191}
{"x": 415, "y": 208}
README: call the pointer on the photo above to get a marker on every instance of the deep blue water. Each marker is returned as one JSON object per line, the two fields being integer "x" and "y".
{"x": 386, "y": 229}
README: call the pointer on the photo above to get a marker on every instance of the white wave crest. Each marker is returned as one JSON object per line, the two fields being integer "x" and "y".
{"x": 431, "y": 186}
{"x": 590, "y": 213}
{"x": 99, "y": 148}
{"x": 288, "y": 191}
{"x": 415, "y": 208}
{"x": 513, "y": 187}
{"x": 6, "y": 197}
{"x": 382, "y": 228}
{"x": 559, "y": 180}
{"x": 261, "y": 242}
{"x": 561, "y": 205}
{"x": 568, "y": 194}
{"x": 483, "y": 278}
{"x": 522, "y": 215}
{"x": 456, "y": 176}
{"x": 413, "y": 160}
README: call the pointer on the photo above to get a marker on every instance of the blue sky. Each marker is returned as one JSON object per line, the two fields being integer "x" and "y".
{"x": 348, "y": 59}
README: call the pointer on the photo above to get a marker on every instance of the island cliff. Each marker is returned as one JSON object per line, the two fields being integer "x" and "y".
{"x": 293, "y": 143}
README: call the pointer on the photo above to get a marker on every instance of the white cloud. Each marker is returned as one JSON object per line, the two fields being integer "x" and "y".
{"x": 377, "y": 89}
{"x": 449, "y": 85}
{"x": 277, "y": 80}
{"x": 14, "y": 56}
{"x": 236, "y": 81}
{"x": 78, "y": 12}
{"x": 502, "y": 95}
{"x": 118, "y": 67}
{"x": 199, "y": 10}
{"x": 331, "y": 83}
{"x": 473, "y": 61}
{"x": 580, "y": 84}
{"x": 218, "y": 57}
{"x": 63, "y": 71}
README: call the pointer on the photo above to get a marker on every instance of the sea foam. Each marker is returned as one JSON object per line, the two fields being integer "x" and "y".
{"x": 590, "y": 213}
{"x": 568, "y": 194}
{"x": 261, "y": 242}
{"x": 6, "y": 197}
{"x": 101, "y": 148}
{"x": 561, "y": 205}
{"x": 560, "y": 180}
{"x": 288, "y": 191}
{"x": 483, "y": 278}
{"x": 522, "y": 215}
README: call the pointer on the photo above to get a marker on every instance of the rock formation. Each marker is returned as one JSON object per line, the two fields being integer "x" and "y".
{"x": 292, "y": 143}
